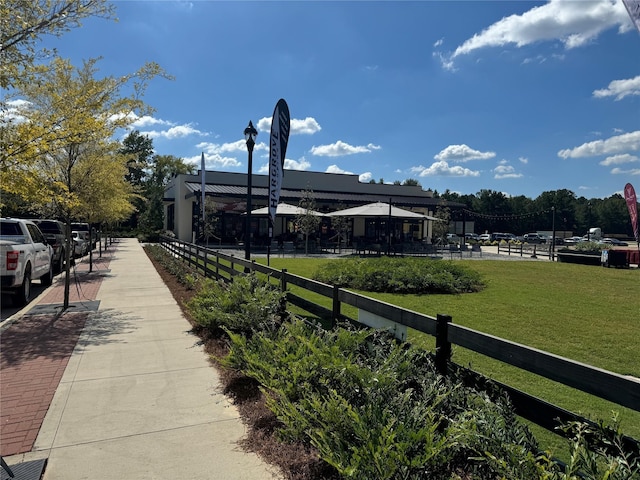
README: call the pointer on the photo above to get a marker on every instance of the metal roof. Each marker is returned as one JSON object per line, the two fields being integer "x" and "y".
{"x": 323, "y": 196}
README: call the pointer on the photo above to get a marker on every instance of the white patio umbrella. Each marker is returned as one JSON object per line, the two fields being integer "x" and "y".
{"x": 286, "y": 209}
{"x": 379, "y": 209}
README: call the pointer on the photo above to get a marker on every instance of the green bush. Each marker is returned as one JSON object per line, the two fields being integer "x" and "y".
{"x": 400, "y": 275}
{"x": 375, "y": 409}
{"x": 589, "y": 247}
{"x": 245, "y": 305}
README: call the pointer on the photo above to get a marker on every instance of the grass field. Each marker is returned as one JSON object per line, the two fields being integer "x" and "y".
{"x": 585, "y": 313}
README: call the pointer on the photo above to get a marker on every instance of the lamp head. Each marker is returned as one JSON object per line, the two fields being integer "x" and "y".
{"x": 250, "y": 134}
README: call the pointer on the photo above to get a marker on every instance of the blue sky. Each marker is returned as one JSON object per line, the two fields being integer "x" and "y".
{"x": 517, "y": 97}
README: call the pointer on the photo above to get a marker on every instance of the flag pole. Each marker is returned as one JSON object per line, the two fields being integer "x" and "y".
{"x": 202, "y": 193}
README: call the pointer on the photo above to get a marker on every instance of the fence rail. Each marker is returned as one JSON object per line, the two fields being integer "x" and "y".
{"x": 607, "y": 385}
{"x": 533, "y": 250}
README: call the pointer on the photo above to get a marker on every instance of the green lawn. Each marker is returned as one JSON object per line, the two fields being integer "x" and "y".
{"x": 585, "y": 313}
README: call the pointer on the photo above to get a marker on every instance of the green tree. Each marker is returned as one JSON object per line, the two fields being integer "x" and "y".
{"x": 411, "y": 182}
{"x": 139, "y": 151}
{"x": 63, "y": 155}
{"x": 342, "y": 227}
{"x": 160, "y": 170}
{"x": 307, "y": 222}
{"x": 211, "y": 224}
{"x": 441, "y": 226}
{"x": 23, "y": 22}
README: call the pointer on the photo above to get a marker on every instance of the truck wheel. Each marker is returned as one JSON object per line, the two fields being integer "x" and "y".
{"x": 23, "y": 294}
{"x": 47, "y": 278}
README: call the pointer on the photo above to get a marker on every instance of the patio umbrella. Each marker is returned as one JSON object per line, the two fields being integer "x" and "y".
{"x": 379, "y": 209}
{"x": 286, "y": 209}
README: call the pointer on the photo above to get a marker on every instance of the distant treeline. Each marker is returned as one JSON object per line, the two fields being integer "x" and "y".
{"x": 496, "y": 212}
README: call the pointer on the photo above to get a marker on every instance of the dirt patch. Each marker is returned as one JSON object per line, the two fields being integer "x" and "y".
{"x": 296, "y": 461}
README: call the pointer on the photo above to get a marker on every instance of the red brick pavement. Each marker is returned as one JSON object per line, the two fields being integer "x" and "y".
{"x": 34, "y": 352}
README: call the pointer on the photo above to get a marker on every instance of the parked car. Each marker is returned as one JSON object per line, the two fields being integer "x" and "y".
{"x": 485, "y": 237}
{"x": 54, "y": 233}
{"x": 453, "y": 238}
{"x": 24, "y": 255}
{"x": 573, "y": 240}
{"x": 614, "y": 242}
{"x": 90, "y": 231}
{"x": 507, "y": 237}
{"x": 534, "y": 238}
{"x": 80, "y": 243}
{"x": 472, "y": 236}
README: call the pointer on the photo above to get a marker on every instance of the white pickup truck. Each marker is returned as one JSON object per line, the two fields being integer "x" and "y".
{"x": 24, "y": 255}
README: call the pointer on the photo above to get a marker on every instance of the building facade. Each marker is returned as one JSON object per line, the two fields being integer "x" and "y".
{"x": 227, "y": 191}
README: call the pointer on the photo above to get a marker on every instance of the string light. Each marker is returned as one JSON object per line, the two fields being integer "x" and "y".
{"x": 505, "y": 217}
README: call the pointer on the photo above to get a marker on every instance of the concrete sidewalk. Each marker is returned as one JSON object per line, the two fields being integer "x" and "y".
{"x": 138, "y": 398}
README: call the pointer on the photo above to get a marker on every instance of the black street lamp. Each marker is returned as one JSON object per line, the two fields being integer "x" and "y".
{"x": 588, "y": 221}
{"x": 553, "y": 235}
{"x": 250, "y": 134}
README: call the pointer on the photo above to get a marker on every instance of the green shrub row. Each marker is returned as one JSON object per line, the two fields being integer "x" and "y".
{"x": 176, "y": 267}
{"x": 400, "y": 275}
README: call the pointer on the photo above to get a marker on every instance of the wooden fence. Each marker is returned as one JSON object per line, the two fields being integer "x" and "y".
{"x": 607, "y": 385}
{"x": 527, "y": 250}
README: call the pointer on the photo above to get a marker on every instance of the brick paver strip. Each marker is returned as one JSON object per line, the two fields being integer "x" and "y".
{"x": 34, "y": 352}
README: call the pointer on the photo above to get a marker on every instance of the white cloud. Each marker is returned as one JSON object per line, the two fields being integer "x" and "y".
{"x": 341, "y": 148}
{"x": 619, "y": 159}
{"x": 147, "y": 120}
{"x": 505, "y": 171}
{"x": 301, "y": 164}
{"x": 178, "y": 131}
{"x": 445, "y": 61}
{"x": 462, "y": 153}
{"x": 230, "y": 147}
{"x": 307, "y": 126}
{"x": 438, "y": 43}
{"x": 12, "y": 112}
{"x": 214, "y": 161}
{"x": 216, "y": 154}
{"x": 523, "y": 160}
{"x": 612, "y": 145}
{"x": 336, "y": 169}
{"x": 442, "y": 168}
{"x": 619, "y": 171}
{"x": 365, "y": 177}
{"x": 573, "y": 23}
{"x": 620, "y": 88}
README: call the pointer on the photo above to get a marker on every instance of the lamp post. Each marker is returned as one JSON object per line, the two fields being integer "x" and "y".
{"x": 588, "y": 221}
{"x": 553, "y": 235}
{"x": 250, "y": 134}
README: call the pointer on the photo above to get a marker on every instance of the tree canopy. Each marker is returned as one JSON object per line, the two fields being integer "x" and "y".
{"x": 23, "y": 22}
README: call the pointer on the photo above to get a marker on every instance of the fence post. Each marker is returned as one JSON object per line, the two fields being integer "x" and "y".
{"x": 283, "y": 280}
{"x": 443, "y": 347}
{"x": 534, "y": 252}
{"x": 336, "y": 306}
